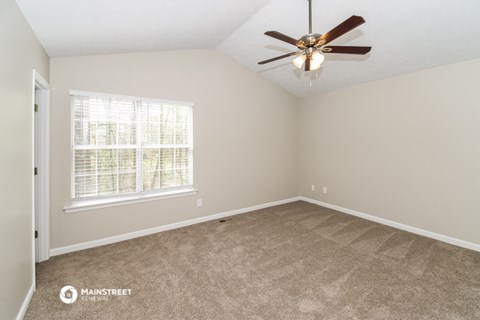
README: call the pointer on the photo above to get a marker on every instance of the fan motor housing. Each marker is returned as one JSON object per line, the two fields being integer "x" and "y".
{"x": 308, "y": 40}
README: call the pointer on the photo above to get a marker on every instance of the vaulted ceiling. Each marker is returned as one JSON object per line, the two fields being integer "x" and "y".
{"x": 406, "y": 36}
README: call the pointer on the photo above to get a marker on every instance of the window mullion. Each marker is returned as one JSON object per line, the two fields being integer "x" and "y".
{"x": 174, "y": 146}
{"x": 96, "y": 172}
{"x": 190, "y": 148}
{"x": 139, "y": 150}
{"x": 96, "y": 159}
{"x": 118, "y": 160}
{"x": 159, "y": 141}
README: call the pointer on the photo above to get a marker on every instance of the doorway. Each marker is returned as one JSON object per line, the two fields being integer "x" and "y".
{"x": 41, "y": 164}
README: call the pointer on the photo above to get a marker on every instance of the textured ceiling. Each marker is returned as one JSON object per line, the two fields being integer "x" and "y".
{"x": 83, "y": 27}
{"x": 406, "y": 35}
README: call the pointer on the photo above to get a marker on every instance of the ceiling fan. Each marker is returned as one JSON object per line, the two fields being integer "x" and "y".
{"x": 312, "y": 45}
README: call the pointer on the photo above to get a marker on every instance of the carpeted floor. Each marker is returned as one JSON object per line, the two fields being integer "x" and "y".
{"x": 294, "y": 261}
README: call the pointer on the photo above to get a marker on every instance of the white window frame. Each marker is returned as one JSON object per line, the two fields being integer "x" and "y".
{"x": 103, "y": 201}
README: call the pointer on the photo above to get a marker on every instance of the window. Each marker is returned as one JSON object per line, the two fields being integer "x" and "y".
{"x": 128, "y": 145}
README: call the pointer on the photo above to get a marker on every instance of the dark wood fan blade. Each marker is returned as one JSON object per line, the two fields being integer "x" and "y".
{"x": 307, "y": 64}
{"x": 344, "y": 27}
{"x": 346, "y": 49}
{"x": 279, "y": 57}
{"x": 282, "y": 37}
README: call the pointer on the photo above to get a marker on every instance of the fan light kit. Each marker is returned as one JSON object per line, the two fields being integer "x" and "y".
{"x": 312, "y": 45}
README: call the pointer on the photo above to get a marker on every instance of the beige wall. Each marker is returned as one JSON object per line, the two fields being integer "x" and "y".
{"x": 405, "y": 149}
{"x": 245, "y": 137}
{"x": 20, "y": 53}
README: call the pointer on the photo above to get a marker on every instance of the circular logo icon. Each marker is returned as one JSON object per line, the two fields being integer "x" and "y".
{"x": 68, "y": 294}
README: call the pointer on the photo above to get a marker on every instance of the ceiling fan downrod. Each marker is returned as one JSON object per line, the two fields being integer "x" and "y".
{"x": 309, "y": 16}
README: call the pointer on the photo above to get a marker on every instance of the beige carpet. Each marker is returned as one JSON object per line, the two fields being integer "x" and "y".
{"x": 294, "y": 261}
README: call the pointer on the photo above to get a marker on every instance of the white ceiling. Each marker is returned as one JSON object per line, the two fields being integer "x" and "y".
{"x": 83, "y": 27}
{"x": 406, "y": 35}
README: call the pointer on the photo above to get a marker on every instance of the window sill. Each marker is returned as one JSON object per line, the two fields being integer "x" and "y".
{"x": 106, "y": 203}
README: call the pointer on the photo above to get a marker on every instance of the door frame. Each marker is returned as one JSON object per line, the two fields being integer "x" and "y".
{"x": 41, "y": 160}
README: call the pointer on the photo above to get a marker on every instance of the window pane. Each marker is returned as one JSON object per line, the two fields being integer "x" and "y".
{"x": 151, "y": 169}
{"x": 167, "y": 125}
{"x": 127, "y": 177}
{"x": 127, "y": 182}
{"x": 84, "y": 132}
{"x": 182, "y": 176}
{"x": 106, "y": 133}
{"x": 166, "y": 167}
{"x": 107, "y": 161}
{"x": 168, "y": 179}
{"x": 85, "y": 186}
{"x": 151, "y": 133}
{"x": 182, "y": 157}
{"x": 107, "y": 184}
{"x": 127, "y": 159}
{"x": 85, "y": 166}
{"x": 183, "y": 167}
{"x": 166, "y": 160}
{"x": 85, "y": 162}
{"x": 127, "y": 134}
{"x": 182, "y": 126}
{"x": 151, "y": 114}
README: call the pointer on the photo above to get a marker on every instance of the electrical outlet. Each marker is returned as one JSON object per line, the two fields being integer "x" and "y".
{"x": 324, "y": 189}
{"x": 199, "y": 202}
{"x": 313, "y": 187}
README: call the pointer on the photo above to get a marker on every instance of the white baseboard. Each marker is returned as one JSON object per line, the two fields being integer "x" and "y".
{"x": 26, "y": 302}
{"x": 145, "y": 232}
{"x": 422, "y": 232}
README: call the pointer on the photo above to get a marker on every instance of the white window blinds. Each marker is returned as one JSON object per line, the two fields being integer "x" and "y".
{"x": 126, "y": 145}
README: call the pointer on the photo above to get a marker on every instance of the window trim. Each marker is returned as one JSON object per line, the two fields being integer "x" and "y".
{"x": 126, "y": 199}
{"x": 119, "y": 96}
{"x": 112, "y": 200}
